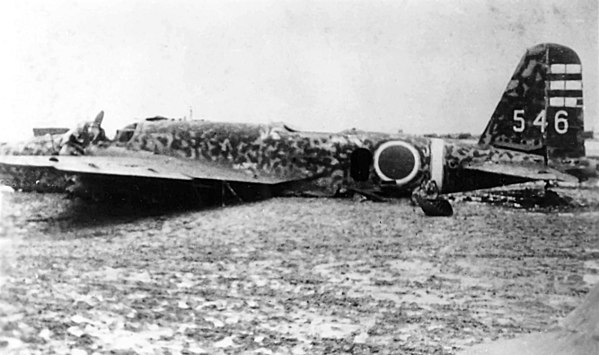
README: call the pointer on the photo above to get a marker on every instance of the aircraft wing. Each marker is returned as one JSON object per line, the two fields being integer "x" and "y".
{"x": 151, "y": 166}
{"x": 527, "y": 171}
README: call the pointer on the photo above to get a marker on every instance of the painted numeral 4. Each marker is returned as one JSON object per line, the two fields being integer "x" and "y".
{"x": 540, "y": 121}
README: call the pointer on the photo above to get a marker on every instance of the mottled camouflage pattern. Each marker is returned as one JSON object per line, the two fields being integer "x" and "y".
{"x": 41, "y": 145}
{"x": 583, "y": 168}
{"x": 526, "y": 90}
{"x": 322, "y": 162}
{"x": 319, "y": 162}
{"x": 459, "y": 154}
{"x": 74, "y": 142}
{"x": 30, "y": 179}
{"x": 322, "y": 158}
{"x": 529, "y": 90}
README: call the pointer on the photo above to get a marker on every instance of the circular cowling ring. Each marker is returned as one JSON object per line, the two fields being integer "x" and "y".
{"x": 411, "y": 175}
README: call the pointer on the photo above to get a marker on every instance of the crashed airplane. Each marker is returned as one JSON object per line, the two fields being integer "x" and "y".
{"x": 535, "y": 133}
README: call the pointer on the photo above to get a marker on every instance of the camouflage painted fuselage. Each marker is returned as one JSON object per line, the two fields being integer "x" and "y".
{"x": 311, "y": 162}
{"x": 326, "y": 162}
{"x": 535, "y": 133}
{"x": 306, "y": 162}
{"x": 30, "y": 179}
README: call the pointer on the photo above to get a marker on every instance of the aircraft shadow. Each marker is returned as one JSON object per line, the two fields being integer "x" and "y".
{"x": 75, "y": 214}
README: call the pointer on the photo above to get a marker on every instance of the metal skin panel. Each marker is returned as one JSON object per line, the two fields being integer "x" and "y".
{"x": 546, "y": 87}
{"x": 565, "y": 123}
{"x": 309, "y": 161}
{"x": 29, "y": 178}
{"x": 470, "y": 167}
{"x": 271, "y": 152}
{"x": 525, "y": 93}
{"x": 322, "y": 159}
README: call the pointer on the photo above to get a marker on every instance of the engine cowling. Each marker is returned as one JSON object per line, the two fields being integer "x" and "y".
{"x": 397, "y": 161}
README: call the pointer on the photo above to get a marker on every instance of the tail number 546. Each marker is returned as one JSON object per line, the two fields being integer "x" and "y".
{"x": 560, "y": 122}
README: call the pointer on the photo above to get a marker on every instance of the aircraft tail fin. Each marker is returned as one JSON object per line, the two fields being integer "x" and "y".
{"x": 541, "y": 110}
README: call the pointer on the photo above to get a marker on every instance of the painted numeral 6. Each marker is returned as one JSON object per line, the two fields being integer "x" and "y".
{"x": 561, "y": 122}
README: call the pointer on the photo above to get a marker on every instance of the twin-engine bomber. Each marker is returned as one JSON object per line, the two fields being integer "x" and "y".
{"x": 535, "y": 133}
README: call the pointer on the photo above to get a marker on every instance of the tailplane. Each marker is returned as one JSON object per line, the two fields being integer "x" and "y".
{"x": 541, "y": 110}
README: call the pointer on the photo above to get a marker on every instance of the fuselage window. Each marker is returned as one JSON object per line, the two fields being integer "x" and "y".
{"x": 361, "y": 160}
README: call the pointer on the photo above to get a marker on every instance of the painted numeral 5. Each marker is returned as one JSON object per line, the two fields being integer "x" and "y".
{"x": 519, "y": 117}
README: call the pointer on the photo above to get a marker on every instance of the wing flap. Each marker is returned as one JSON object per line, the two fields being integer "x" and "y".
{"x": 117, "y": 166}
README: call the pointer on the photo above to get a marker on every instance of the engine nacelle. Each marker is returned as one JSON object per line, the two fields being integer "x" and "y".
{"x": 397, "y": 161}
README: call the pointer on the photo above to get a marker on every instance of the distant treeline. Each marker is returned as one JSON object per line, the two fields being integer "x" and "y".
{"x": 585, "y": 135}
{"x": 37, "y": 132}
{"x": 452, "y": 136}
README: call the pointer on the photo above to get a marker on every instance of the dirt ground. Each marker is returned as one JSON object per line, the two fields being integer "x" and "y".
{"x": 288, "y": 275}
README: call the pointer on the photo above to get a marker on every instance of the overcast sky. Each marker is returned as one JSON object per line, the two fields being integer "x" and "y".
{"x": 417, "y": 65}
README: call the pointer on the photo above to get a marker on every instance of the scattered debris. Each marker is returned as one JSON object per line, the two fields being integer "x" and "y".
{"x": 531, "y": 197}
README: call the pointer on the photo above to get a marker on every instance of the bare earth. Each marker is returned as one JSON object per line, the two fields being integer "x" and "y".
{"x": 288, "y": 276}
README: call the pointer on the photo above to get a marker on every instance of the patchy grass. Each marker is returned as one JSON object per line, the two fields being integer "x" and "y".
{"x": 286, "y": 276}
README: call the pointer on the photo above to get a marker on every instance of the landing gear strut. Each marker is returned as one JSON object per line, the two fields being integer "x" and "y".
{"x": 550, "y": 197}
{"x": 427, "y": 197}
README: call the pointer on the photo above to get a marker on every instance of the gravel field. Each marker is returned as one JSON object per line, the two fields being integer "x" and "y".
{"x": 288, "y": 276}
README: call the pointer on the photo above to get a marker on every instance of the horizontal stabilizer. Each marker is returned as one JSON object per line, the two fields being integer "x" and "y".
{"x": 530, "y": 172}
